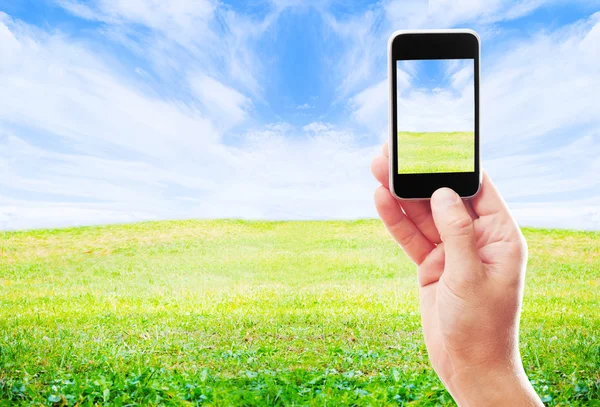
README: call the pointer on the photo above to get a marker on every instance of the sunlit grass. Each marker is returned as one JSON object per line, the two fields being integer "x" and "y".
{"x": 436, "y": 152}
{"x": 261, "y": 313}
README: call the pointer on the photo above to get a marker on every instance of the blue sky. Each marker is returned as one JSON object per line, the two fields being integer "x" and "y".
{"x": 126, "y": 111}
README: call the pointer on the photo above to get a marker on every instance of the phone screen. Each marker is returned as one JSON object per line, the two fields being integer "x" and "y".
{"x": 435, "y": 116}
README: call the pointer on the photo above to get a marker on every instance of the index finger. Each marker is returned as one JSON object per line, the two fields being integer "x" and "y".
{"x": 493, "y": 212}
{"x": 402, "y": 229}
{"x": 489, "y": 202}
{"x": 385, "y": 150}
{"x": 419, "y": 212}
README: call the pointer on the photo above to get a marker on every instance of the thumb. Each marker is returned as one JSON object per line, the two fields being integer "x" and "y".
{"x": 457, "y": 232}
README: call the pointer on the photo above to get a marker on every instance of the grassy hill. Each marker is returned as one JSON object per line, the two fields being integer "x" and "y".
{"x": 261, "y": 313}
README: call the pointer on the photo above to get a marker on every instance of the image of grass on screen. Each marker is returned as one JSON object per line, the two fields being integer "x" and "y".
{"x": 436, "y": 116}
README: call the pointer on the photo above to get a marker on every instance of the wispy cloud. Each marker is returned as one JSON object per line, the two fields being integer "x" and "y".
{"x": 266, "y": 176}
{"x": 176, "y": 37}
{"x": 540, "y": 128}
{"x": 222, "y": 103}
{"x": 448, "y": 106}
{"x": 156, "y": 116}
{"x": 92, "y": 144}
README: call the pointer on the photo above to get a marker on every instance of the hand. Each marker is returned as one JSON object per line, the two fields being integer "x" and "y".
{"x": 471, "y": 259}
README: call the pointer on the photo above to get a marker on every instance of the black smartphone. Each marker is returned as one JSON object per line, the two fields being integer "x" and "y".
{"x": 434, "y": 112}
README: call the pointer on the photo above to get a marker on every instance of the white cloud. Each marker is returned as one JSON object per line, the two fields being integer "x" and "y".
{"x": 553, "y": 173}
{"x": 24, "y": 214}
{"x": 54, "y": 85}
{"x": 93, "y": 142}
{"x": 547, "y": 83}
{"x": 91, "y": 146}
{"x": 420, "y": 110}
{"x": 539, "y": 92}
{"x": 222, "y": 102}
{"x": 370, "y": 108}
{"x": 567, "y": 214}
{"x": 543, "y": 84}
{"x": 363, "y": 53}
{"x": 72, "y": 127}
{"x": 463, "y": 78}
{"x": 446, "y": 108}
{"x": 179, "y": 20}
{"x": 453, "y": 12}
{"x": 361, "y": 49}
{"x": 277, "y": 172}
{"x": 177, "y": 36}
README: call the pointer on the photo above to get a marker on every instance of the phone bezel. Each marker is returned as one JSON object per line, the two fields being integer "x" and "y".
{"x": 432, "y": 44}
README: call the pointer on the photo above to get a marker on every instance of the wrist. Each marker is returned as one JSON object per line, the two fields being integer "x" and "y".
{"x": 494, "y": 386}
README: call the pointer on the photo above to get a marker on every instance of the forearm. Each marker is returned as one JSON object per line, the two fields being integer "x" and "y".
{"x": 493, "y": 387}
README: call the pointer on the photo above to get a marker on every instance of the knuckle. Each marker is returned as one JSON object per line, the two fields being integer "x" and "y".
{"x": 421, "y": 217}
{"x": 407, "y": 240}
{"x": 461, "y": 225}
{"x": 517, "y": 249}
{"x": 523, "y": 244}
{"x": 396, "y": 228}
{"x": 403, "y": 233}
{"x": 379, "y": 195}
{"x": 374, "y": 165}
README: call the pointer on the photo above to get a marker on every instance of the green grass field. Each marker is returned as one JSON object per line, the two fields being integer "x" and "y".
{"x": 436, "y": 152}
{"x": 261, "y": 313}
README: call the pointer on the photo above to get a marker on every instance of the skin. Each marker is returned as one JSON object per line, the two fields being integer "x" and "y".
{"x": 471, "y": 259}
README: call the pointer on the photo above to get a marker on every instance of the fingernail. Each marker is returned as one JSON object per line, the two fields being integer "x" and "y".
{"x": 445, "y": 197}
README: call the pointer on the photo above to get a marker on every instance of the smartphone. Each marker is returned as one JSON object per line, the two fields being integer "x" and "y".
{"x": 434, "y": 112}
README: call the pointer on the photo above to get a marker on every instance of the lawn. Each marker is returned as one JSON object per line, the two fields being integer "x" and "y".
{"x": 436, "y": 152}
{"x": 261, "y": 313}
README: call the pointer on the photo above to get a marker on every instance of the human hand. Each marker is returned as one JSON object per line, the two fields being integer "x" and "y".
{"x": 471, "y": 259}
